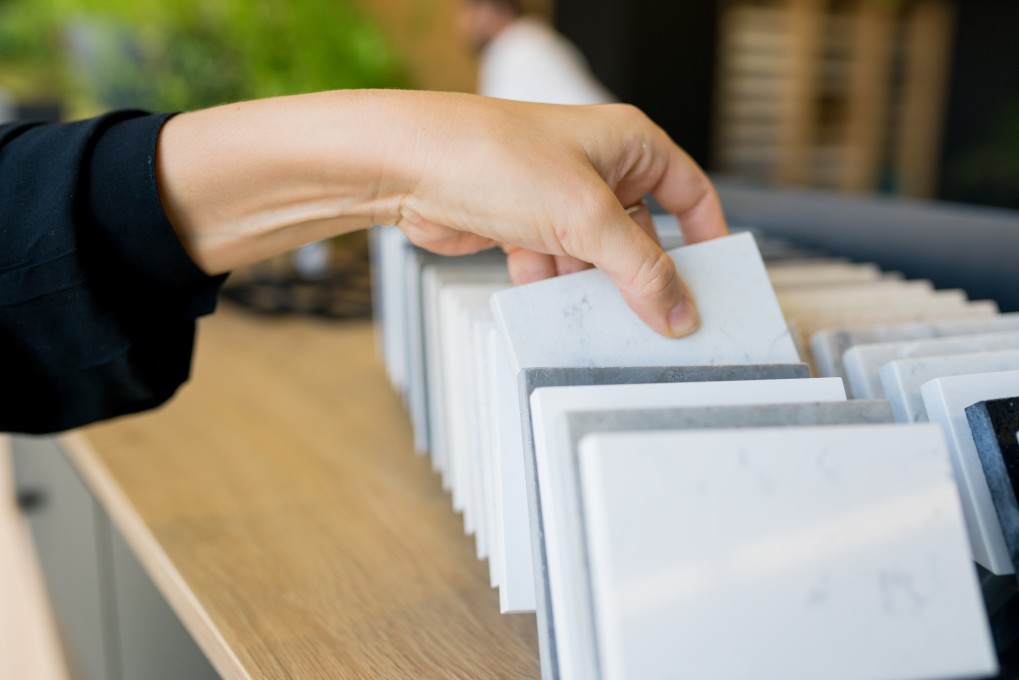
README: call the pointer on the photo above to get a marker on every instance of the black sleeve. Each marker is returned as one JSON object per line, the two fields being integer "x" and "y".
{"x": 98, "y": 299}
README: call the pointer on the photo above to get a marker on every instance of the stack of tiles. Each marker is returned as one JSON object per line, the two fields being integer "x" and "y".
{"x": 651, "y": 498}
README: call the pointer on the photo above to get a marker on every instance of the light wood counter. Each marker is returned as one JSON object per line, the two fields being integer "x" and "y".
{"x": 279, "y": 507}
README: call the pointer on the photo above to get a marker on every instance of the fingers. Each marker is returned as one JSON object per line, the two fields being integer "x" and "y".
{"x": 527, "y": 266}
{"x": 442, "y": 239}
{"x": 686, "y": 192}
{"x": 645, "y": 275}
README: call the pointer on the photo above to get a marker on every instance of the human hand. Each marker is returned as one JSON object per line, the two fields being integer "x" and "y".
{"x": 550, "y": 185}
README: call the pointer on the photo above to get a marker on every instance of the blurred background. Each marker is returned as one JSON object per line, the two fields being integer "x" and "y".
{"x": 907, "y": 98}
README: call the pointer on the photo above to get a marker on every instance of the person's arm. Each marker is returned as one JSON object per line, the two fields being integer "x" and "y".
{"x": 457, "y": 173}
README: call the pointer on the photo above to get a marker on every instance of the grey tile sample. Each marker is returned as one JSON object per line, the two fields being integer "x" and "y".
{"x": 829, "y": 346}
{"x": 582, "y": 423}
{"x": 531, "y": 379}
{"x": 994, "y": 425}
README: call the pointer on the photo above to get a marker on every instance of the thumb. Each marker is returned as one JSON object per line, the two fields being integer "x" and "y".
{"x": 645, "y": 275}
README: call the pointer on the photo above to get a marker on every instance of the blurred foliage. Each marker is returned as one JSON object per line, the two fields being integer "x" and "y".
{"x": 183, "y": 54}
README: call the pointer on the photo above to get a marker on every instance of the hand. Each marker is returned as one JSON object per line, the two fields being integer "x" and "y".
{"x": 457, "y": 173}
{"x": 549, "y": 184}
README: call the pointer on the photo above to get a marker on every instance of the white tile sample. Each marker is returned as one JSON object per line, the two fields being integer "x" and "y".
{"x": 863, "y": 362}
{"x": 946, "y": 400}
{"x": 582, "y": 320}
{"x": 829, "y": 346}
{"x": 557, "y": 482}
{"x": 902, "y": 379}
{"x": 516, "y": 570}
{"x": 795, "y": 553}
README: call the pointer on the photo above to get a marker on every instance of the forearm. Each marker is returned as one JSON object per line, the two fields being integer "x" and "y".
{"x": 247, "y": 181}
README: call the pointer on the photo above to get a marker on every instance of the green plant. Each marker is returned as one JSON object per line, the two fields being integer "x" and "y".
{"x": 178, "y": 54}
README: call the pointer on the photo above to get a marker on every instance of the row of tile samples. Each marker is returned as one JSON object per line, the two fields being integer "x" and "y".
{"x": 661, "y": 504}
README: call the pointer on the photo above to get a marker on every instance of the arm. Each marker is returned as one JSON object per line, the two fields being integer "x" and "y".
{"x": 457, "y": 173}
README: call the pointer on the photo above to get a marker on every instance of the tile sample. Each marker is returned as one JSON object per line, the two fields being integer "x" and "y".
{"x": 863, "y": 362}
{"x": 934, "y": 307}
{"x": 946, "y": 400}
{"x": 867, "y": 294}
{"x": 791, "y": 275}
{"x": 902, "y": 379}
{"x": 833, "y": 552}
{"x": 582, "y": 320}
{"x": 645, "y": 380}
{"x": 829, "y": 346}
{"x": 568, "y": 578}
{"x": 994, "y": 425}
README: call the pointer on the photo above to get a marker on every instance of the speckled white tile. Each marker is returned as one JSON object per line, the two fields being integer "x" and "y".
{"x": 801, "y": 553}
{"x": 863, "y": 362}
{"x": 829, "y": 346}
{"x": 582, "y": 320}
{"x": 902, "y": 379}
{"x": 561, "y": 519}
{"x": 946, "y": 400}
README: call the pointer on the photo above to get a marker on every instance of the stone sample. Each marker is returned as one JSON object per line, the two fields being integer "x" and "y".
{"x": 863, "y": 362}
{"x": 902, "y": 379}
{"x": 829, "y": 346}
{"x": 994, "y": 425}
{"x": 793, "y": 553}
{"x": 569, "y": 581}
{"x": 946, "y": 400}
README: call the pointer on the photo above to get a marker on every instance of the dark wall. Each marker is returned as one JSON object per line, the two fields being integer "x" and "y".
{"x": 657, "y": 54}
{"x": 981, "y": 144}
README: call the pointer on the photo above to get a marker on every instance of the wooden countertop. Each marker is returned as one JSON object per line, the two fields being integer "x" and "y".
{"x": 279, "y": 506}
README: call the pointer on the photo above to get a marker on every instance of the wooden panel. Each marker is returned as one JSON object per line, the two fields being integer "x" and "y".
{"x": 279, "y": 507}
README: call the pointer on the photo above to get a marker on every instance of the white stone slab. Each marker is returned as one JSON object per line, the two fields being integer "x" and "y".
{"x": 478, "y": 395}
{"x": 435, "y": 276}
{"x": 516, "y": 571}
{"x": 829, "y": 346}
{"x": 902, "y": 379}
{"x": 456, "y": 299}
{"x": 863, "y": 362}
{"x": 946, "y": 400}
{"x": 582, "y": 320}
{"x": 797, "y": 553}
{"x": 497, "y": 538}
{"x": 562, "y": 520}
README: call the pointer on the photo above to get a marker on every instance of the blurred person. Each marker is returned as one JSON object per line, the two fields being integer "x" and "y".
{"x": 524, "y": 59}
{"x": 117, "y": 232}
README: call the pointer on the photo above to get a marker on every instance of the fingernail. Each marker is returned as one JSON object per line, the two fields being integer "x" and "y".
{"x": 684, "y": 319}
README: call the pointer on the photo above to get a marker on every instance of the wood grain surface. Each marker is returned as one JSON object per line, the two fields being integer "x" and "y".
{"x": 278, "y": 505}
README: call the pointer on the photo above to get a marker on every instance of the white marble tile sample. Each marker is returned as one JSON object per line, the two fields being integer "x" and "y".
{"x": 902, "y": 379}
{"x": 946, "y": 400}
{"x": 863, "y": 362}
{"x": 793, "y": 553}
{"x": 582, "y": 320}
{"x": 561, "y": 524}
{"x": 829, "y": 346}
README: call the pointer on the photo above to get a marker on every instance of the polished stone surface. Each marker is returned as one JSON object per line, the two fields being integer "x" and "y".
{"x": 902, "y": 379}
{"x": 556, "y": 527}
{"x": 946, "y": 400}
{"x": 573, "y": 617}
{"x": 793, "y": 553}
{"x": 994, "y": 425}
{"x": 582, "y": 320}
{"x": 829, "y": 346}
{"x": 863, "y": 362}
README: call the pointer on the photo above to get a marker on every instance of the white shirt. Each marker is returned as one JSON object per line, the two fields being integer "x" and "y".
{"x": 528, "y": 61}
